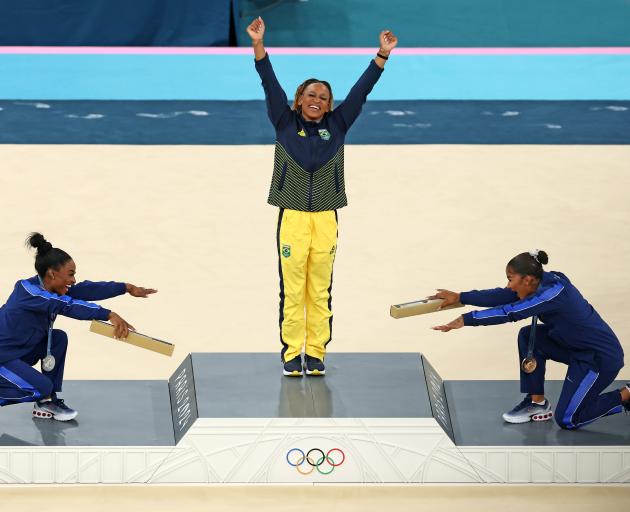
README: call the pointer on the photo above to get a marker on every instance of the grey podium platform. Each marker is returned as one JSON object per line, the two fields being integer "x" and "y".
{"x": 236, "y": 385}
{"x": 476, "y": 407}
{"x": 111, "y": 413}
{"x": 227, "y": 417}
{"x": 390, "y": 385}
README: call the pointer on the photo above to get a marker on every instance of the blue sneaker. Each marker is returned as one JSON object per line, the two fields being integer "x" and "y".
{"x": 528, "y": 411}
{"x": 293, "y": 368}
{"x": 54, "y": 408}
{"x": 314, "y": 366}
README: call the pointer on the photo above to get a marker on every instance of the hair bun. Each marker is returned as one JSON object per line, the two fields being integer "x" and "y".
{"x": 38, "y": 241}
{"x": 543, "y": 258}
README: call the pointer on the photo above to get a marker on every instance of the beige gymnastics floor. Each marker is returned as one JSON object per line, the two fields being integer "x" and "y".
{"x": 320, "y": 498}
{"x": 194, "y": 223}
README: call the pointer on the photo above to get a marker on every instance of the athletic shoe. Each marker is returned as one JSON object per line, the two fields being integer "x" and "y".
{"x": 314, "y": 366}
{"x": 55, "y": 409}
{"x": 293, "y": 368}
{"x": 529, "y": 411}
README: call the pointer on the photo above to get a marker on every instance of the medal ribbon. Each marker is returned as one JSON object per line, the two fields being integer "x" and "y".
{"x": 532, "y": 338}
{"x": 51, "y": 321}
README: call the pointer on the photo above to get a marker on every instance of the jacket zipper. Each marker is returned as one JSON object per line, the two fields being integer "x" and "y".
{"x": 313, "y": 144}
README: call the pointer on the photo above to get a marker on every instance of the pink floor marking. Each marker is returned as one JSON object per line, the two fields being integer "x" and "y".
{"x": 164, "y": 50}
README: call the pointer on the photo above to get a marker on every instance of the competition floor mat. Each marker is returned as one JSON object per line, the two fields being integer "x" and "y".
{"x": 382, "y": 122}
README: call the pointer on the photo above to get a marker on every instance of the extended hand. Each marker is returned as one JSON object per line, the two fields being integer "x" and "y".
{"x": 447, "y": 296}
{"x": 387, "y": 41}
{"x": 121, "y": 326}
{"x": 256, "y": 30}
{"x": 455, "y": 324}
{"x": 139, "y": 291}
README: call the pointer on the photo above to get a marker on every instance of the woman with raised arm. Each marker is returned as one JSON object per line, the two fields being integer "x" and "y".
{"x": 26, "y": 328}
{"x": 308, "y": 187}
{"x": 572, "y": 332}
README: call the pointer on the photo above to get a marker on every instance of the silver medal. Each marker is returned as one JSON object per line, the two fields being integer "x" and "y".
{"x": 48, "y": 363}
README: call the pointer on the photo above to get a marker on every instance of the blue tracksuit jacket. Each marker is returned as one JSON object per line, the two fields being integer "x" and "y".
{"x": 30, "y": 309}
{"x": 308, "y": 170}
{"x": 572, "y": 321}
{"x": 312, "y": 151}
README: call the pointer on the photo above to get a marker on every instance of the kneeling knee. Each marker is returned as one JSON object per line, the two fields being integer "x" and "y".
{"x": 60, "y": 339}
{"x": 562, "y": 422}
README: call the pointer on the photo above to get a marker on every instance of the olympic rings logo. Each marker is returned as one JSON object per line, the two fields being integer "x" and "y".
{"x": 296, "y": 458}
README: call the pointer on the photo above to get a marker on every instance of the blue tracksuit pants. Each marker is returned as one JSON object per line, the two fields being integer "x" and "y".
{"x": 20, "y": 382}
{"x": 581, "y": 400}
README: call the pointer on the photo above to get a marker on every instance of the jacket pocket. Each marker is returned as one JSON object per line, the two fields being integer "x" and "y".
{"x": 283, "y": 175}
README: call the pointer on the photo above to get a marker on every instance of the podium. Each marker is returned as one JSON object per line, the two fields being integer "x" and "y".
{"x": 374, "y": 418}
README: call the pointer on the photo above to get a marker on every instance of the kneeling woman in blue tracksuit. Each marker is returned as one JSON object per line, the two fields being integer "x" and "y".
{"x": 26, "y": 328}
{"x": 572, "y": 332}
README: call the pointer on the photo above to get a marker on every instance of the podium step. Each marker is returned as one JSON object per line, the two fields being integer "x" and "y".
{"x": 374, "y": 418}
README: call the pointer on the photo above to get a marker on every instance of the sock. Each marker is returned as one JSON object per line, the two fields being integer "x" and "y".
{"x": 539, "y": 403}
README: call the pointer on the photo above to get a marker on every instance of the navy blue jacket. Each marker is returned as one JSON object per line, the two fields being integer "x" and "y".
{"x": 30, "y": 309}
{"x": 571, "y": 320}
{"x": 312, "y": 151}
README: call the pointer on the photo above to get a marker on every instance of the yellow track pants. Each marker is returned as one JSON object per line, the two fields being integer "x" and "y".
{"x": 307, "y": 244}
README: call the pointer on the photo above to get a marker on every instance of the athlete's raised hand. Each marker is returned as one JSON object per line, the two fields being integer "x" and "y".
{"x": 256, "y": 30}
{"x": 387, "y": 42}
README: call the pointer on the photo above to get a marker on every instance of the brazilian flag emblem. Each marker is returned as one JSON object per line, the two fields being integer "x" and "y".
{"x": 324, "y": 134}
{"x": 286, "y": 251}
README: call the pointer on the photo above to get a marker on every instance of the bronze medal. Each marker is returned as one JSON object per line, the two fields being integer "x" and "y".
{"x": 528, "y": 365}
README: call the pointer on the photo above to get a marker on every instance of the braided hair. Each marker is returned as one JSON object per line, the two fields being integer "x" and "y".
{"x": 47, "y": 256}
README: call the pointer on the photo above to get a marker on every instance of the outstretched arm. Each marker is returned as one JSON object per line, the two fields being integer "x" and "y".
{"x": 541, "y": 302}
{"x": 349, "y": 110}
{"x": 96, "y": 290}
{"x": 89, "y": 290}
{"x": 481, "y": 298}
{"x": 275, "y": 96}
{"x": 38, "y": 299}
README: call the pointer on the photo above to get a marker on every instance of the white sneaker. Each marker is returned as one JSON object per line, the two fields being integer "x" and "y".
{"x": 528, "y": 411}
{"x": 54, "y": 409}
